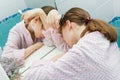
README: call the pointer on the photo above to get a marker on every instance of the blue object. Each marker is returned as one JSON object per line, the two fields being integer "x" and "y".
{"x": 116, "y": 23}
{"x": 0, "y": 52}
{"x": 7, "y": 24}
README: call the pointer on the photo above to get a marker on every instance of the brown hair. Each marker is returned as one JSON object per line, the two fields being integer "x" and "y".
{"x": 82, "y": 17}
{"x": 47, "y": 9}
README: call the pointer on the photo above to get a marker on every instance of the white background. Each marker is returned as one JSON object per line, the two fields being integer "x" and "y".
{"x": 103, "y": 9}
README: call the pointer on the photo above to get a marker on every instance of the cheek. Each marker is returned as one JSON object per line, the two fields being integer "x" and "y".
{"x": 67, "y": 38}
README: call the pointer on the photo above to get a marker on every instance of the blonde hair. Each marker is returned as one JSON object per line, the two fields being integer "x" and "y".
{"x": 82, "y": 17}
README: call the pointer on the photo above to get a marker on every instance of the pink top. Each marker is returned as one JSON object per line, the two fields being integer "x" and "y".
{"x": 92, "y": 58}
{"x": 53, "y": 38}
{"x": 19, "y": 38}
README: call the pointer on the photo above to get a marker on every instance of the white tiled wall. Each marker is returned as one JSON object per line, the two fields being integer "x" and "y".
{"x": 102, "y": 9}
{"x": 116, "y": 7}
{"x": 39, "y": 3}
{"x": 9, "y": 7}
{"x": 105, "y": 11}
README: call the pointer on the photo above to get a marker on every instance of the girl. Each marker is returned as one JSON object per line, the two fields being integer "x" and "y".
{"x": 52, "y": 37}
{"x": 25, "y": 38}
{"x": 94, "y": 54}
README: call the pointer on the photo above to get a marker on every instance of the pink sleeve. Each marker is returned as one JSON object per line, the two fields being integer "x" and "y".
{"x": 12, "y": 50}
{"x": 52, "y": 37}
{"x": 48, "y": 38}
{"x": 59, "y": 42}
{"x": 16, "y": 54}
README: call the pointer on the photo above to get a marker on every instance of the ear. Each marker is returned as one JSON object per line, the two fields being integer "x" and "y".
{"x": 69, "y": 25}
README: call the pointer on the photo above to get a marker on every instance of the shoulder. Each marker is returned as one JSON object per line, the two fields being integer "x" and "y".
{"x": 93, "y": 38}
{"x": 18, "y": 27}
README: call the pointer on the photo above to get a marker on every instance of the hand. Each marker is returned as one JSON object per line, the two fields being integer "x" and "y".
{"x": 30, "y": 14}
{"x": 27, "y": 16}
{"x": 53, "y": 19}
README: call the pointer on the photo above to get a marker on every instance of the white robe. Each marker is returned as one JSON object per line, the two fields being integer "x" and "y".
{"x": 19, "y": 39}
{"x": 92, "y": 58}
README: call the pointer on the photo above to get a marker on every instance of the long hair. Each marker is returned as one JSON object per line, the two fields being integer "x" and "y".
{"x": 82, "y": 17}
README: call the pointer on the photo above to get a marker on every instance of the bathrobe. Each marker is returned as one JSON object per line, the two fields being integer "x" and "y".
{"x": 54, "y": 38}
{"x": 92, "y": 58}
{"x": 19, "y": 39}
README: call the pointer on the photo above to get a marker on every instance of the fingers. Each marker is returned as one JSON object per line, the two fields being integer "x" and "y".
{"x": 43, "y": 18}
{"x": 28, "y": 15}
{"x": 53, "y": 19}
{"x": 57, "y": 24}
{"x": 24, "y": 17}
{"x": 49, "y": 20}
{"x": 57, "y": 21}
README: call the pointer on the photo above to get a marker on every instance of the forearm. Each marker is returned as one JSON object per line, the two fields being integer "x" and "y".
{"x": 55, "y": 58}
{"x": 31, "y": 49}
{"x": 59, "y": 42}
{"x": 43, "y": 18}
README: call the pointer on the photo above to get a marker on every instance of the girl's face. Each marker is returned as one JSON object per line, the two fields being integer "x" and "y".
{"x": 69, "y": 34}
{"x": 37, "y": 27}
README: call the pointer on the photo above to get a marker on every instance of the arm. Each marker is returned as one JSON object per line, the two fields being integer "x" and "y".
{"x": 32, "y": 48}
{"x": 12, "y": 47}
{"x": 15, "y": 47}
{"x": 59, "y": 42}
{"x": 53, "y": 37}
{"x": 53, "y": 19}
{"x": 64, "y": 68}
{"x": 48, "y": 38}
{"x": 55, "y": 58}
{"x": 28, "y": 15}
